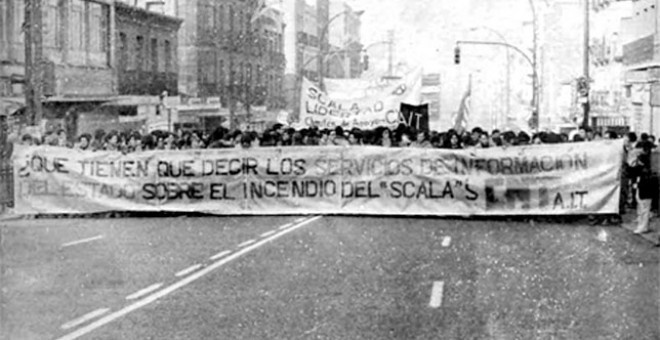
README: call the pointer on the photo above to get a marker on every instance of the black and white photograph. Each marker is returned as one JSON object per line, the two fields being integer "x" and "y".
{"x": 330, "y": 169}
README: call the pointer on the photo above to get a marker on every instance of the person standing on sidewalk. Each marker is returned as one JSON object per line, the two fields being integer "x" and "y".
{"x": 645, "y": 189}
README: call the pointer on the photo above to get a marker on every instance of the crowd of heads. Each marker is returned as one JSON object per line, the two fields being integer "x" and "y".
{"x": 282, "y": 136}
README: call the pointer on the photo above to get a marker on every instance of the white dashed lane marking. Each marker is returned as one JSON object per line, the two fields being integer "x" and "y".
{"x": 436, "y": 294}
{"x": 446, "y": 241}
{"x": 143, "y": 292}
{"x": 219, "y": 255}
{"x": 81, "y": 320}
{"x": 86, "y": 240}
{"x": 268, "y": 233}
{"x": 286, "y": 226}
{"x": 246, "y": 243}
{"x": 188, "y": 270}
{"x": 182, "y": 283}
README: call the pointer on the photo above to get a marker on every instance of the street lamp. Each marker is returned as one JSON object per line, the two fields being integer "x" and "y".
{"x": 508, "y": 65}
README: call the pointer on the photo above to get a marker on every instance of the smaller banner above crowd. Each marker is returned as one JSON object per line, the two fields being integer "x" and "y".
{"x": 359, "y": 104}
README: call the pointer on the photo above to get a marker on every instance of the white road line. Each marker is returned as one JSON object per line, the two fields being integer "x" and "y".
{"x": 184, "y": 282}
{"x": 436, "y": 294}
{"x": 188, "y": 270}
{"x": 143, "y": 292}
{"x": 219, "y": 255}
{"x": 300, "y": 219}
{"x": 81, "y": 320}
{"x": 246, "y": 243}
{"x": 286, "y": 226}
{"x": 86, "y": 240}
{"x": 446, "y": 241}
{"x": 268, "y": 233}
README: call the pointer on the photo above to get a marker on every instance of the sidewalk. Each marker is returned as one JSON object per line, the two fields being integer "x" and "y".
{"x": 629, "y": 223}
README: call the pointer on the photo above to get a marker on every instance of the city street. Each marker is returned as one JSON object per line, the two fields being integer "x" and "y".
{"x": 325, "y": 277}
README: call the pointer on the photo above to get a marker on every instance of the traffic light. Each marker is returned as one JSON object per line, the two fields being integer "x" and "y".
{"x": 457, "y": 55}
{"x": 365, "y": 62}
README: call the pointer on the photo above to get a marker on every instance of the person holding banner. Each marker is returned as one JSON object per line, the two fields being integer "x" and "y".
{"x": 385, "y": 138}
{"x": 422, "y": 141}
{"x": 337, "y": 137}
{"x": 355, "y": 137}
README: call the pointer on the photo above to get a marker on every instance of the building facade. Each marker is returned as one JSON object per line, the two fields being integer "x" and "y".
{"x": 610, "y": 109}
{"x": 322, "y": 40}
{"x": 344, "y": 39}
{"x": 641, "y": 60}
{"x": 72, "y": 57}
{"x": 77, "y": 49}
{"x": 231, "y": 50}
{"x": 146, "y": 51}
{"x": 104, "y": 63}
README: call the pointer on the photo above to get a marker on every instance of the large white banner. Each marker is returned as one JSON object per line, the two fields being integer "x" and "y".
{"x": 353, "y": 103}
{"x": 579, "y": 178}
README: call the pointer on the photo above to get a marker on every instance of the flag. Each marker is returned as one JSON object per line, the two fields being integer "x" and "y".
{"x": 463, "y": 115}
{"x": 416, "y": 116}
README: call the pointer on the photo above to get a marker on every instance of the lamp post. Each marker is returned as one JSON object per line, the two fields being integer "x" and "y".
{"x": 508, "y": 66}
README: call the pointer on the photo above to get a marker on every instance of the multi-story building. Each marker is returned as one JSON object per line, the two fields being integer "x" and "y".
{"x": 609, "y": 108}
{"x": 98, "y": 58}
{"x": 231, "y": 58}
{"x": 146, "y": 51}
{"x": 306, "y": 24}
{"x": 641, "y": 59}
{"x": 345, "y": 48}
{"x": 77, "y": 48}
{"x": 73, "y": 50}
{"x": 323, "y": 40}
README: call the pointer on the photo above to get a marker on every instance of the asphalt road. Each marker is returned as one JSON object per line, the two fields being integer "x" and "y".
{"x": 325, "y": 278}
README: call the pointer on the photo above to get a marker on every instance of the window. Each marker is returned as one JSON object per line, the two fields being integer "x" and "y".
{"x": 77, "y": 24}
{"x": 168, "y": 57}
{"x": 51, "y": 24}
{"x": 18, "y": 17}
{"x": 231, "y": 19}
{"x": 3, "y": 21}
{"x": 154, "y": 55}
{"x": 220, "y": 20}
{"x": 207, "y": 67}
{"x": 249, "y": 74}
{"x": 139, "y": 52}
{"x": 123, "y": 51}
{"x": 240, "y": 22}
{"x": 259, "y": 75}
{"x": 96, "y": 30}
{"x": 221, "y": 74}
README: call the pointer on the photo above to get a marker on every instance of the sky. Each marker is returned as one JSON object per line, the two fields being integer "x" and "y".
{"x": 427, "y": 29}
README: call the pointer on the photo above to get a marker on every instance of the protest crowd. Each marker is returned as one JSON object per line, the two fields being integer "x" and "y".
{"x": 637, "y": 186}
{"x": 280, "y": 136}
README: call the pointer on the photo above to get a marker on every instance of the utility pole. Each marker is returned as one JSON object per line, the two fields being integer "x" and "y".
{"x": 33, "y": 60}
{"x": 390, "y": 55}
{"x": 535, "y": 79}
{"x": 586, "y": 105}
